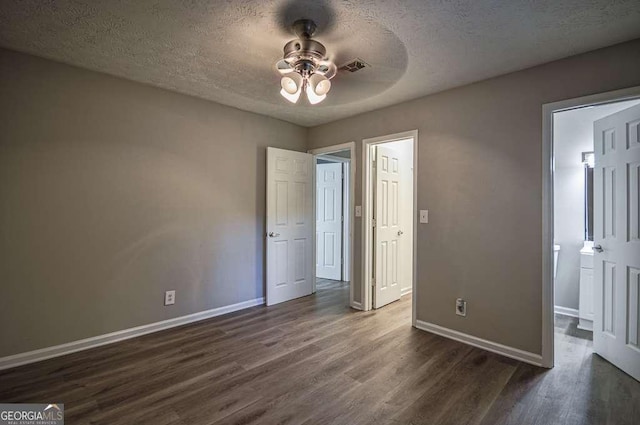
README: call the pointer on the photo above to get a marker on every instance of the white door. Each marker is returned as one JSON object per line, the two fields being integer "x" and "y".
{"x": 388, "y": 230}
{"x": 616, "y": 277}
{"x": 289, "y": 225}
{"x": 329, "y": 221}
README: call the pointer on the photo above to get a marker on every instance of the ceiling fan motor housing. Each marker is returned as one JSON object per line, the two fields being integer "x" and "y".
{"x": 305, "y": 48}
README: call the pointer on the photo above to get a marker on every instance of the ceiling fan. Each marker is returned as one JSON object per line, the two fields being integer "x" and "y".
{"x": 305, "y": 67}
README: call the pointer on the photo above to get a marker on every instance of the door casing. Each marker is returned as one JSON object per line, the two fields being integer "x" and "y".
{"x": 367, "y": 216}
{"x": 547, "y": 203}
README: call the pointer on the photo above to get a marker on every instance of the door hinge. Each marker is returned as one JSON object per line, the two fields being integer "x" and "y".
{"x": 373, "y": 283}
{"x": 373, "y": 222}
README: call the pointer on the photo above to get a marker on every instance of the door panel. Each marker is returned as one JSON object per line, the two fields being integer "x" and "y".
{"x": 300, "y": 199}
{"x": 289, "y": 225}
{"x": 633, "y": 182}
{"x": 608, "y": 192}
{"x": 281, "y": 258}
{"x": 388, "y": 229}
{"x": 329, "y": 221}
{"x": 616, "y": 222}
{"x": 633, "y": 294}
{"x": 608, "y": 304}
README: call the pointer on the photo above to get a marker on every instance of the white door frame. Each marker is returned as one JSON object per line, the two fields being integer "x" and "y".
{"x": 367, "y": 213}
{"x": 547, "y": 203}
{"x": 349, "y": 217}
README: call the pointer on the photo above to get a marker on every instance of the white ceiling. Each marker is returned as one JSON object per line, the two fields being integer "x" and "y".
{"x": 225, "y": 50}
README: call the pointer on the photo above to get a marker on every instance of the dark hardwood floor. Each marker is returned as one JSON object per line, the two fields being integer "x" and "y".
{"x": 315, "y": 361}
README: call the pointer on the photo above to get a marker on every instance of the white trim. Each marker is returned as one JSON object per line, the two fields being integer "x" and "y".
{"x": 416, "y": 221}
{"x": 334, "y": 148}
{"x": 494, "y": 347}
{"x": 97, "y": 341}
{"x": 547, "y": 203}
{"x": 351, "y": 216}
{"x": 366, "y": 216}
{"x": 347, "y": 224}
{"x": 566, "y": 311}
{"x": 585, "y": 325}
{"x": 547, "y": 242}
{"x": 405, "y": 291}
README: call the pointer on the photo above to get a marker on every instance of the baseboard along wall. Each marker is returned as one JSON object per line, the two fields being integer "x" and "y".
{"x": 97, "y": 341}
{"x": 494, "y": 347}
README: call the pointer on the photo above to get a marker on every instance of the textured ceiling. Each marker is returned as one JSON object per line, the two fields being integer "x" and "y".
{"x": 225, "y": 50}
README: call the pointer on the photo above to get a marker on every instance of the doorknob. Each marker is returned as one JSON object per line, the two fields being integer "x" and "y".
{"x": 273, "y": 234}
{"x": 598, "y": 248}
{"x": 400, "y": 232}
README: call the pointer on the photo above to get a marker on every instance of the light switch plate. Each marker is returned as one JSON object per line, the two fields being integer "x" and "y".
{"x": 424, "y": 216}
{"x": 358, "y": 210}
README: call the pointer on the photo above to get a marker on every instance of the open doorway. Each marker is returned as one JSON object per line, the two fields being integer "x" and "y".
{"x": 591, "y": 221}
{"x": 389, "y": 219}
{"x": 333, "y": 213}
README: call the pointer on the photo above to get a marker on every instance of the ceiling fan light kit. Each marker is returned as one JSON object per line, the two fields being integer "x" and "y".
{"x": 305, "y": 67}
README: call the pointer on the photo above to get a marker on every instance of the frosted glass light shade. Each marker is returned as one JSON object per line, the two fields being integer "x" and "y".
{"x": 320, "y": 84}
{"x": 291, "y": 82}
{"x": 293, "y": 98}
{"x": 313, "y": 97}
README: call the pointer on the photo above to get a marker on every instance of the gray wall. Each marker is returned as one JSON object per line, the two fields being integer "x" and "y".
{"x": 479, "y": 174}
{"x": 112, "y": 192}
{"x": 573, "y": 134}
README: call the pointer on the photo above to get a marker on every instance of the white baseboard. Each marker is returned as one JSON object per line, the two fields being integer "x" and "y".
{"x": 565, "y": 311}
{"x": 494, "y": 347}
{"x": 97, "y": 341}
{"x": 356, "y": 305}
{"x": 585, "y": 325}
{"x": 405, "y": 291}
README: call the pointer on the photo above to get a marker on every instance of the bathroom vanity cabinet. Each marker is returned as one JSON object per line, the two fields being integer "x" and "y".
{"x": 585, "y": 307}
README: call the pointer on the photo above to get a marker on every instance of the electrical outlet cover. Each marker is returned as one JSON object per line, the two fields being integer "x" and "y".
{"x": 169, "y": 297}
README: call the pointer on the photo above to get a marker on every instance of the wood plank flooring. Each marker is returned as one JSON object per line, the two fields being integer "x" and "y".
{"x": 315, "y": 361}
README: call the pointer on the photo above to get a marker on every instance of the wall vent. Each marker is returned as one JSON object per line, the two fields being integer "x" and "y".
{"x": 355, "y": 65}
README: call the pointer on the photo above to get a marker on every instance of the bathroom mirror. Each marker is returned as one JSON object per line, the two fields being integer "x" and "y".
{"x": 588, "y": 161}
